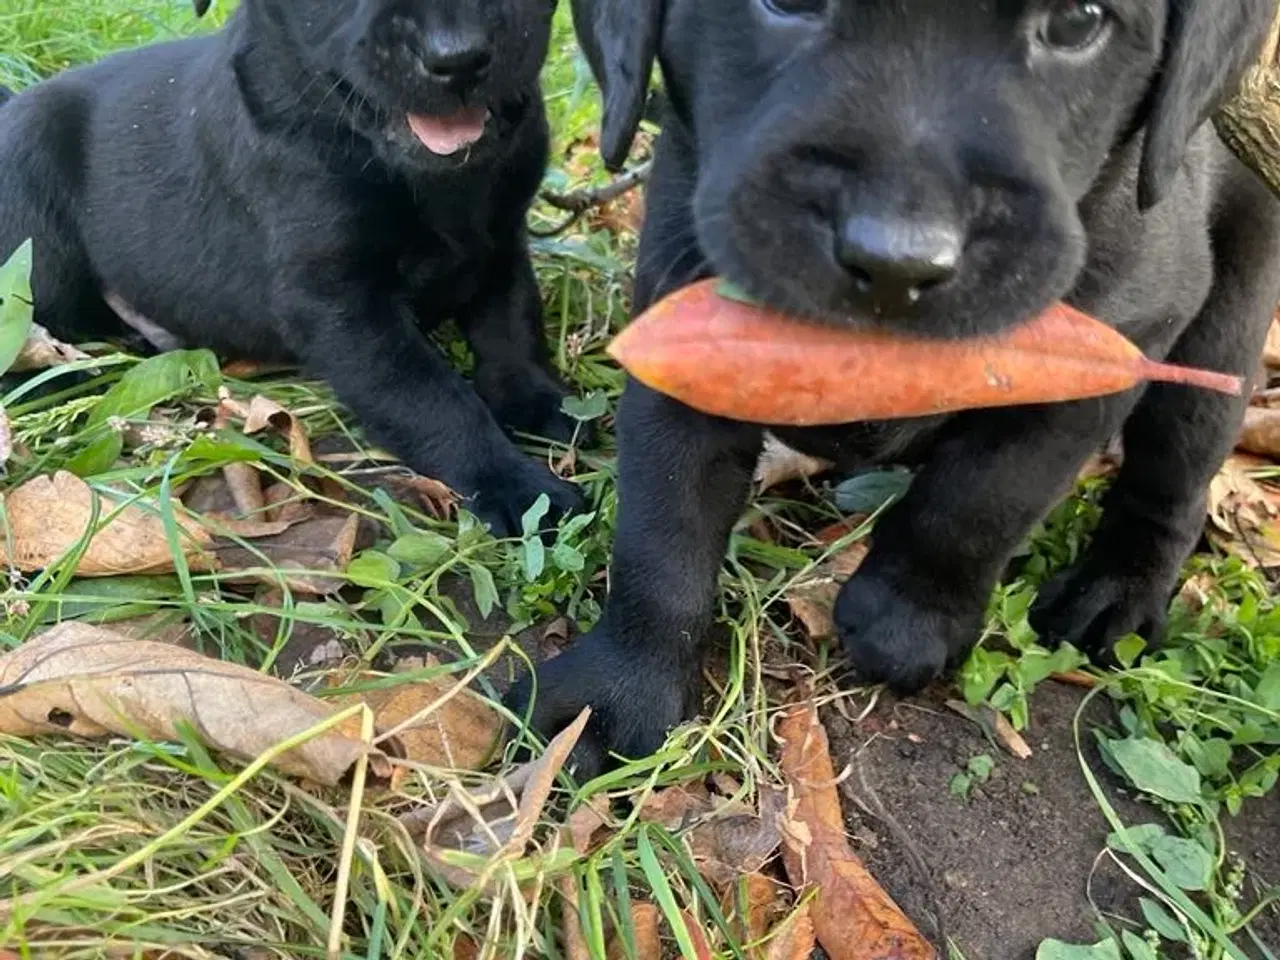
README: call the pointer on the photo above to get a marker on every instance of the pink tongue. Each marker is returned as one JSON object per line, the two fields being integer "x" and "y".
{"x": 447, "y": 135}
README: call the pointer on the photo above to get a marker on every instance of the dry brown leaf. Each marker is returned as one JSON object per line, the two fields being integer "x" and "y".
{"x": 853, "y": 917}
{"x": 794, "y": 938}
{"x": 813, "y": 602}
{"x": 464, "y": 948}
{"x": 1271, "y": 354}
{"x": 1244, "y": 513}
{"x": 247, "y": 529}
{"x": 1261, "y": 432}
{"x": 648, "y": 941}
{"x": 307, "y": 645}
{"x": 763, "y": 906}
{"x": 437, "y": 499}
{"x": 1009, "y": 738}
{"x": 285, "y": 504}
{"x": 306, "y": 555}
{"x": 697, "y": 936}
{"x": 42, "y": 350}
{"x": 460, "y": 734}
{"x": 1100, "y": 465}
{"x": 264, "y": 412}
{"x": 245, "y": 484}
{"x": 994, "y": 726}
{"x": 726, "y": 838}
{"x": 48, "y": 516}
{"x": 779, "y": 463}
{"x": 431, "y": 496}
{"x": 812, "y": 599}
{"x": 575, "y": 944}
{"x": 85, "y": 681}
{"x": 509, "y": 810}
{"x": 1196, "y": 592}
{"x": 587, "y": 821}
{"x": 6, "y": 437}
{"x": 1076, "y": 678}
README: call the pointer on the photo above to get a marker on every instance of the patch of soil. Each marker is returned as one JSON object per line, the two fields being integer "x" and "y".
{"x": 1018, "y": 861}
{"x": 1255, "y": 836}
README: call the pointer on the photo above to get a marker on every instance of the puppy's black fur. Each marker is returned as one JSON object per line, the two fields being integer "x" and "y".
{"x": 260, "y": 192}
{"x": 947, "y": 168}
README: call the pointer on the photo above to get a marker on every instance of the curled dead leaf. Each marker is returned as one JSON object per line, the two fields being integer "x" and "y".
{"x": 1261, "y": 432}
{"x": 264, "y": 412}
{"x": 1244, "y": 512}
{"x": 85, "y": 681}
{"x": 494, "y": 823}
{"x": 49, "y": 516}
{"x": 779, "y": 463}
{"x": 437, "y": 499}
{"x": 853, "y": 917}
{"x": 43, "y": 350}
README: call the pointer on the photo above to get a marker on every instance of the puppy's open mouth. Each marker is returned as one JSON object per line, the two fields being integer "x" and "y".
{"x": 445, "y": 136}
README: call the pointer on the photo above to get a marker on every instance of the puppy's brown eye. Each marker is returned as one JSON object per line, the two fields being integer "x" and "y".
{"x": 796, "y": 8}
{"x": 1074, "y": 24}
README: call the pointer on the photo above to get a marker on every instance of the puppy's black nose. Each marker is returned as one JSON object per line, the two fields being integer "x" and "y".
{"x": 894, "y": 260}
{"x": 458, "y": 59}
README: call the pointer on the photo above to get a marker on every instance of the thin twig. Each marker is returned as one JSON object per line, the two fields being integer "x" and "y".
{"x": 577, "y": 203}
{"x": 580, "y": 201}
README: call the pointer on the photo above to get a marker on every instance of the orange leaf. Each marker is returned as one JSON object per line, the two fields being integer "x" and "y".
{"x": 794, "y": 939}
{"x": 733, "y": 359}
{"x": 852, "y": 915}
{"x": 698, "y": 936}
{"x": 644, "y": 924}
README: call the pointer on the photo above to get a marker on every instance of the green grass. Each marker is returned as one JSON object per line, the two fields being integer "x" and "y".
{"x": 119, "y": 848}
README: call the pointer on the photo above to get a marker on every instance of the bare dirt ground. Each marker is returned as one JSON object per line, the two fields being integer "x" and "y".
{"x": 1019, "y": 860}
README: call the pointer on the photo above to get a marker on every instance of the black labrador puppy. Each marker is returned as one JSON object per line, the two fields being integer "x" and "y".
{"x": 315, "y": 182}
{"x": 947, "y": 168}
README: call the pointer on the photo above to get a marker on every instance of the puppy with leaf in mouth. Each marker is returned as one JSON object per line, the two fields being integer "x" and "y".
{"x": 317, "y": 182}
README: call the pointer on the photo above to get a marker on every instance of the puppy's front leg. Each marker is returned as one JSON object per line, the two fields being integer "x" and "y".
{"x": 1174, "y": 443}
{"x": 513, "y": 373}
{"x": 684, "y": 480}
{"x": 408, "y": 399}
{"x": 918, "y": 601}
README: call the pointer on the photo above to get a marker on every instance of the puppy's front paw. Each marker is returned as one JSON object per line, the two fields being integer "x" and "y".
{"x": 1093, "y": 608}
{"x": 892, "y": 637}
{"x": 529, "y": 401}
{"x": 505, "y": 492}
{"x": 635, "y": 700}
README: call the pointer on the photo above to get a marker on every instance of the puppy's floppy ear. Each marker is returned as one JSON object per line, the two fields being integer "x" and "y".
{"x": 620, "y": 40}
{"x": 201, "y": 6}
{"x": 1209, "y": 44}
